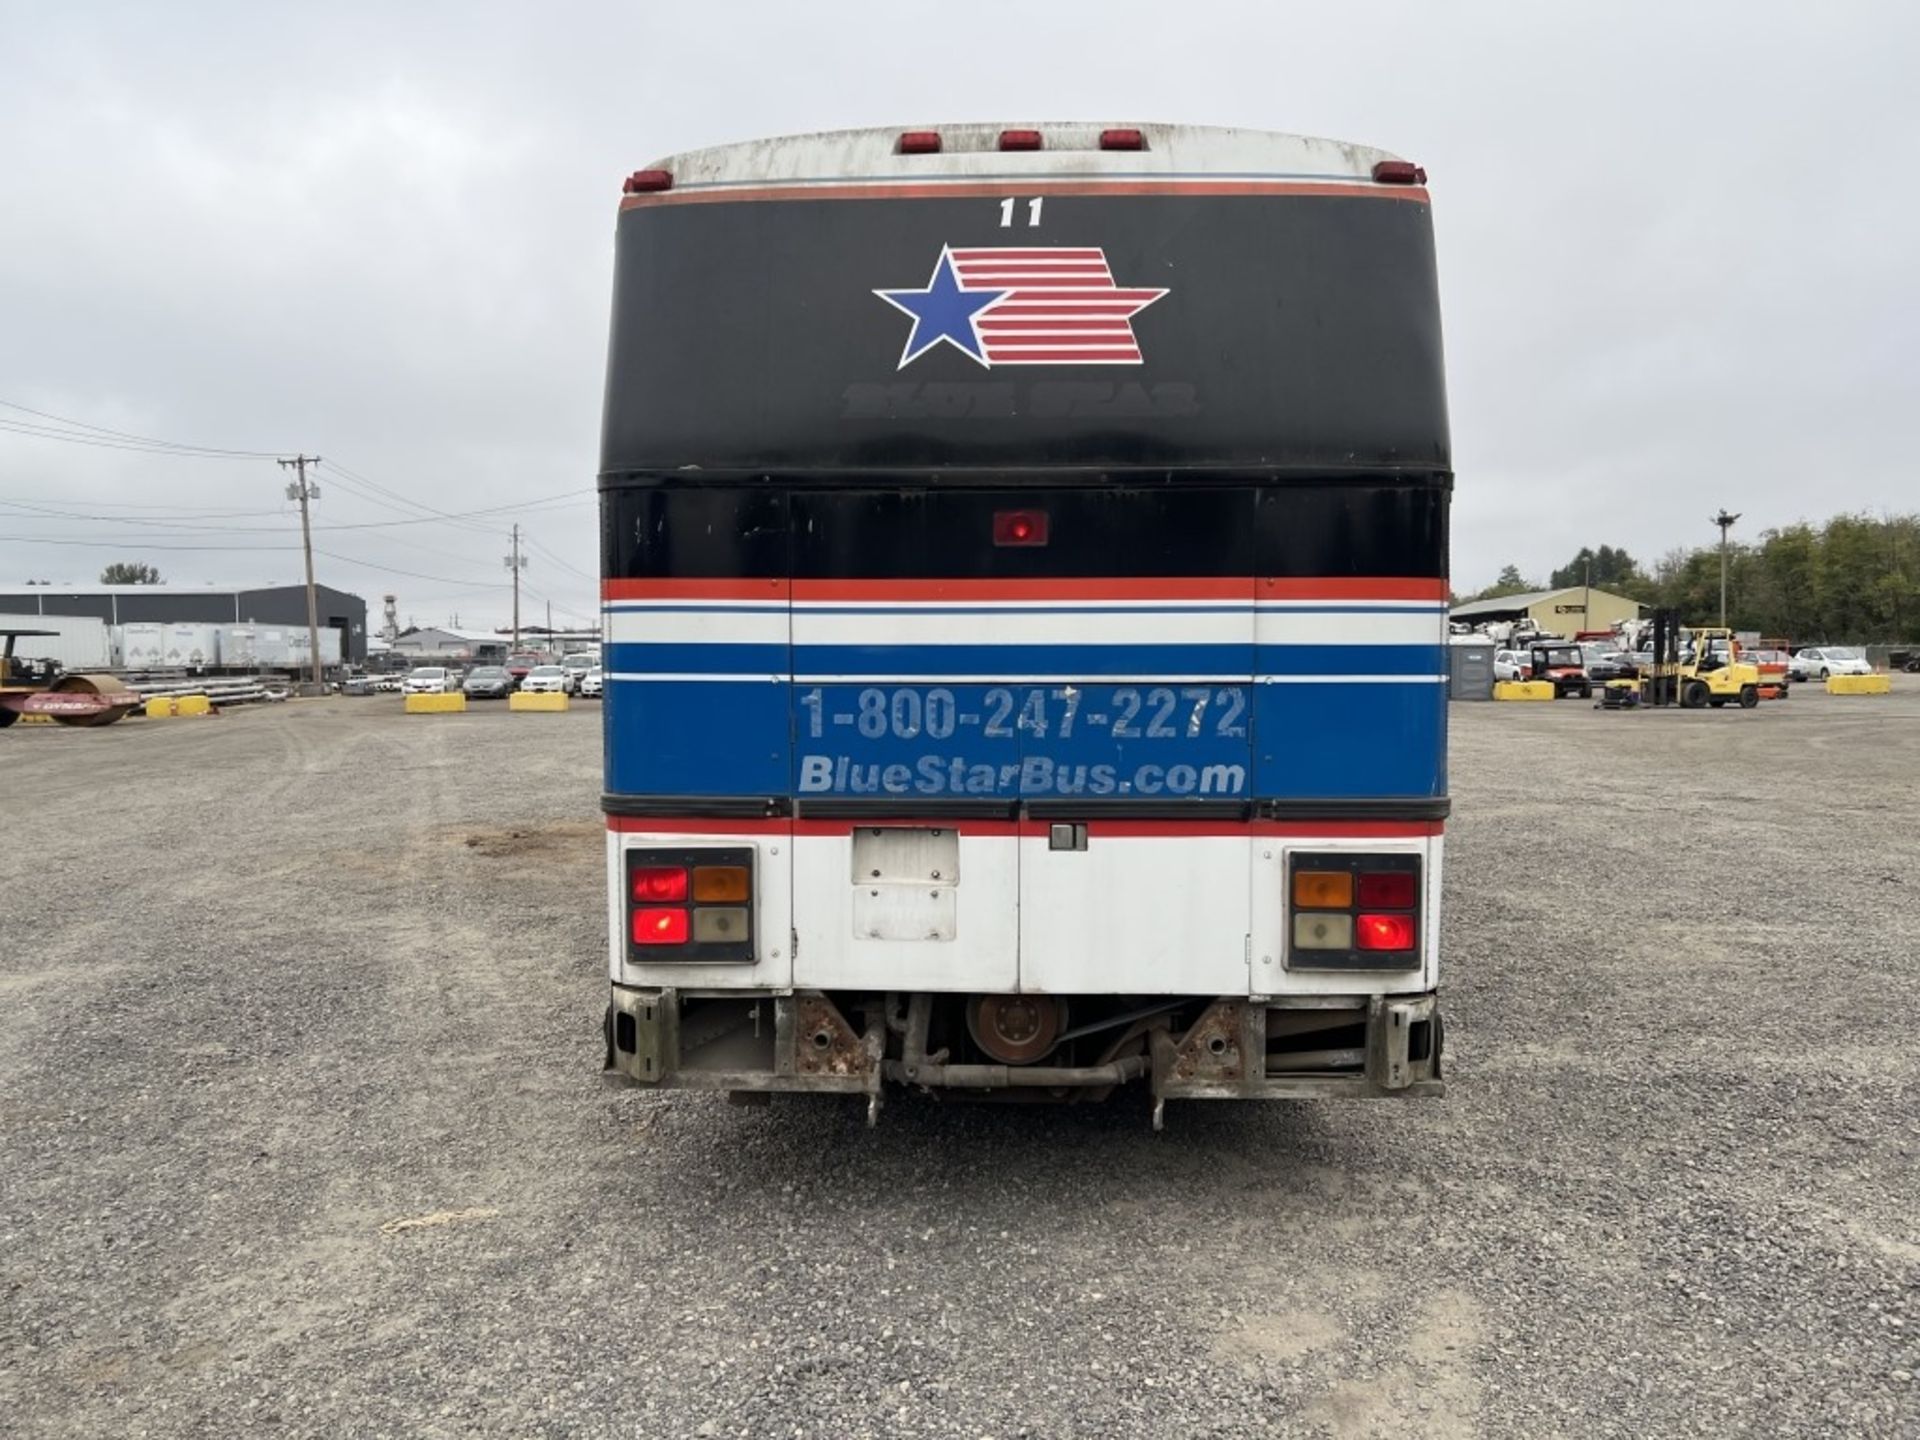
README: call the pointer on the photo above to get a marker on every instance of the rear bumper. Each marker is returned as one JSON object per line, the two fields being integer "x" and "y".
{"x": 1220, "y": 1049}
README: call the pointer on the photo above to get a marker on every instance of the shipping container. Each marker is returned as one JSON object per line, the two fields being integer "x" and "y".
{"x": 79, "y": 643}
{"x": 142, "y": 644}
{"x": 192, "y": 647}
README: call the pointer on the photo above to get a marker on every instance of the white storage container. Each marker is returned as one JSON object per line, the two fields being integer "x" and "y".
{"x": 78, "y": 642}
{"x": 192, "y": 647}
{"x": 143, "y": 645}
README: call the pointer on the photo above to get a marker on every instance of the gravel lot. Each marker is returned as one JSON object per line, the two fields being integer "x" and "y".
{"x": 278, "y": 980}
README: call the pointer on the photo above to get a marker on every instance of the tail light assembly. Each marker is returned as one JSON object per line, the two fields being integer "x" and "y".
{"x": 690, "y": 906}
{"x": 1353, "y": 911}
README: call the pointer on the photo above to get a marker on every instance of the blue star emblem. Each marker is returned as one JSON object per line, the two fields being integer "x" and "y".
{"x": 942, "y": 311}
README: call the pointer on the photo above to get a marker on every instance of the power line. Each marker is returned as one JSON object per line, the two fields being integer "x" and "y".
{"x": 103, "y": 430}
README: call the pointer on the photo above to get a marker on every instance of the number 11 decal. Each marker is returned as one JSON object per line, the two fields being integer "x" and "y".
{"x": 1033, "y": 212}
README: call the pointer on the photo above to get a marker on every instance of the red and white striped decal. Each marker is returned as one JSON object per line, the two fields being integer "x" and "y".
{"x": 1061, "y": 306}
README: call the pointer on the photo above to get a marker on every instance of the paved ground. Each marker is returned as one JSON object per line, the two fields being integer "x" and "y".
{"x": 276, "y": 981}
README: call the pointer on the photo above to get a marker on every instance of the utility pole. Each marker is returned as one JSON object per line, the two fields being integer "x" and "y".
{"x": 550, "y": 625}
{"x": 516, "y": 562}
{"x": 1586, "y": 601}
{"x": 303, "y": 492}
{"x": 1725, "y": 522}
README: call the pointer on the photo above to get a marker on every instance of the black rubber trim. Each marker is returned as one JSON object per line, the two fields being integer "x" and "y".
{"x": 694, "y": 807}
{"x": 1370, "y": 807}
{"x": 1421, "y": 476}
{"x": 989, "y": 808}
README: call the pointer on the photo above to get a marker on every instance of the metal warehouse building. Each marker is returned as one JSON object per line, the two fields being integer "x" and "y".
{"x": 1557, "y": 612}
{"x": 280, "y": 605}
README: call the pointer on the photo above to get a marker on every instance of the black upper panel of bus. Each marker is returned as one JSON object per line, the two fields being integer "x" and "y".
{"x": 1297, "y": 332}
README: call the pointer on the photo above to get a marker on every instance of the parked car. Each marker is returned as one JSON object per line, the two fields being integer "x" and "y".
{"x": 593, "y": 683}
{"x": 522, "y": 661}
{"x": 428, "y": 680}
{"x": 579, "y": 663}
{"x": 1608, "y": 662}
{"x": 488, "y": 682}
{"x": 356, "y": 682}
{"x": 547, "y": 680}
{"x": 388, "y": 684}
{"x": 1817, "y": 662}
{"x": 1510, "y": 665}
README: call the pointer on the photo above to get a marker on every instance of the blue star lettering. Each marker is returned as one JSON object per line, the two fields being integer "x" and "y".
{"x": 942, "y": 311}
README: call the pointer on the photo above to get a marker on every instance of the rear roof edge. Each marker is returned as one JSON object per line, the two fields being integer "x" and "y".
{"x": 1067, "y": 148}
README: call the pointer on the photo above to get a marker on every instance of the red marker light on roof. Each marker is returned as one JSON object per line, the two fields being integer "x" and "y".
{"x": 644, "y": 181}
{"x": 1020, "y": 527}
{"x": 1122, "y": 140}
{"x": 919, "y": 142}
{"x": 1019, "y": 139}
{"x": 1398, "y": 172}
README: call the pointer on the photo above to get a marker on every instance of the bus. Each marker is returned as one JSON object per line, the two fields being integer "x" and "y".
{"x": 1024, "y": 587}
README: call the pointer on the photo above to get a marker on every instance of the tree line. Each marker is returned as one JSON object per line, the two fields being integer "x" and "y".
{"x": 1853, "y": 580}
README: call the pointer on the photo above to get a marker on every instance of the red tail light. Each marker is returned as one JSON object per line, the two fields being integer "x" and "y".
{"x": 1387, "y": 890}
{"x": 1019, "y": 139}
{"x": 1020, "y": 527}
{"x": 1398, "y": 172}
{"x": 1122, "y": 140}
{"x": 1383, "y": 932}
{"x": 656, "y": 883}
{"x": 919, "y": 142}
{"x": 661, "y": 925}
{"x": 643, "y": 181}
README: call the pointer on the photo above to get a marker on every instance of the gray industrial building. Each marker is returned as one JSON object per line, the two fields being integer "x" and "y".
{"x": 280, "y": 605}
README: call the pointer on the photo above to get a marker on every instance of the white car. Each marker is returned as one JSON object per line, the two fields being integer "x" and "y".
{"x": 547, "y": 680}
{"x": 1511, "y": 665}
{"x": 429, "y": 680}
{"x": 1817, "y": 662}
{"x": 593, "y": 683}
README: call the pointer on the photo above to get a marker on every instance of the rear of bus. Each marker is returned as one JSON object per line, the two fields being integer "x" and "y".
{"x": 1025, "y": 559}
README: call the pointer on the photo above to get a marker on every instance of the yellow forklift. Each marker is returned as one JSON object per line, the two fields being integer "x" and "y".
{"x": 1697, "y": 668}
{"x": 41, "y": 687}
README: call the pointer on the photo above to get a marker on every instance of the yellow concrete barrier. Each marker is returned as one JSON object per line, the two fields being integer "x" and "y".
{"x": 436, "y": 704}
{"x": 1523, "y": 690}
{"x": 521, "y": 700}
{"x": 161, "y": 707}
{"x": 1859, "y": 684}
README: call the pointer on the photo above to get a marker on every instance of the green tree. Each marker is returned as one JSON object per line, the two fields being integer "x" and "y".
{"x": 129, "y": 572}
{"x": 1511, "y": 582}
{"x": 1606, "y": 568}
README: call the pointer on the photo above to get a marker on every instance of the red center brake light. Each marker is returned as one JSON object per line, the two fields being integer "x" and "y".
{"x": 919, "y": 142}
{"x": 1122, "y": 140}
{"x": 643, "y": 181}
{"x": 1019, "y": 527}
{"x": 1019, "y": 139}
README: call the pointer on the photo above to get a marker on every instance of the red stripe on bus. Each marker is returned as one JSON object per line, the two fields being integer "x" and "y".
{"x": 1359, "y": 190}
{"x": 1117, "y": 588}
{"x": 1063, "y": 256}
{"x": 1168, "y": 588}
{"x": 1361, "y": 588}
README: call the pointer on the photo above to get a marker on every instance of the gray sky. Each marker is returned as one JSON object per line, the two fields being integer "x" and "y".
{"x": 1676, "y": 246}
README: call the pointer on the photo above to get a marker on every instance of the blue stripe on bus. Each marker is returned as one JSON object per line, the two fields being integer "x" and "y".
{"x": 706, "y": 737}
{"x": 1091, "y": 661}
